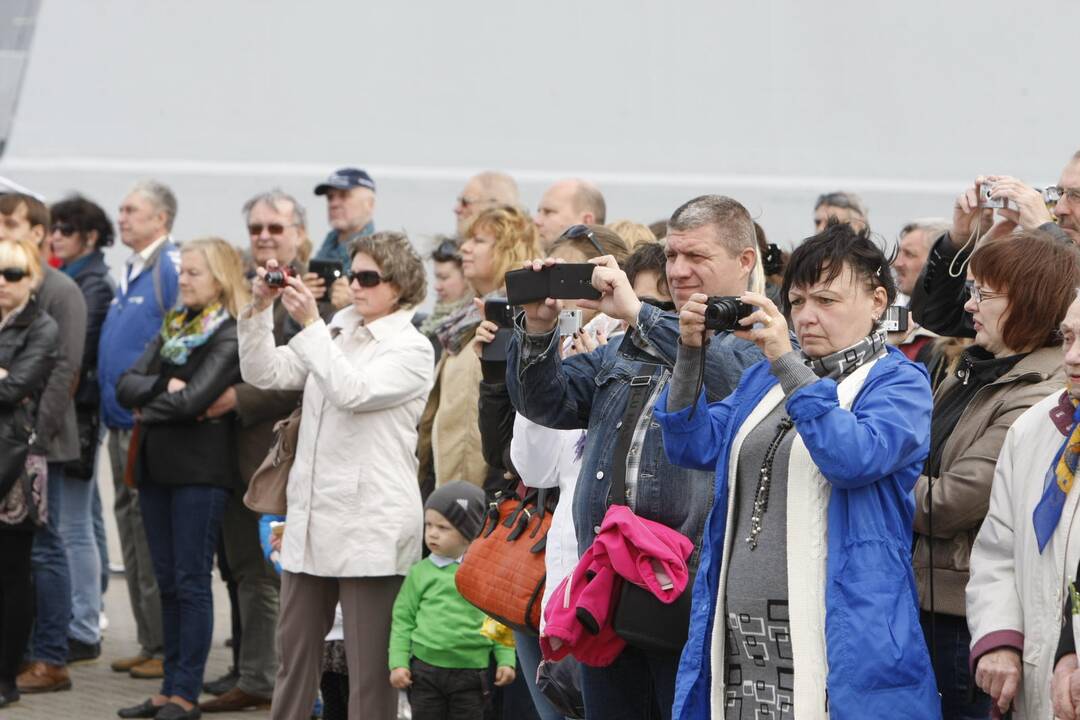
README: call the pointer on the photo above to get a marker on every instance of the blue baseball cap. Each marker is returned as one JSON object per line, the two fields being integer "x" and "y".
{"x": 346, "y": 179}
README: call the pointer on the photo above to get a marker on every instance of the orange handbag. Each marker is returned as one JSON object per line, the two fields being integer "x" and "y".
{"x": 503, "y": 571}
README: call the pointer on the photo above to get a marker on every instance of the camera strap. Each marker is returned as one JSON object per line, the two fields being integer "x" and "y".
{"x": 640, "y": 387}
{"x": 701, "y": 374}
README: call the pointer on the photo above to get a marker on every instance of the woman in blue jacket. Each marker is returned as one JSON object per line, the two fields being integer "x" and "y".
{"x": 805, "y": 600}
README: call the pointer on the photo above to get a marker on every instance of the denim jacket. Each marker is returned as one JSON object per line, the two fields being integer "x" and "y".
{"x": 591, "y": 391}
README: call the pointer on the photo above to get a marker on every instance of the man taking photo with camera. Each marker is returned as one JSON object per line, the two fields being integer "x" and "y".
{"x": 711, "y": 249}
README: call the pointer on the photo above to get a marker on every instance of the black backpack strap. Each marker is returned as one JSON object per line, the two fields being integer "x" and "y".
{"x": 640, "y": 386}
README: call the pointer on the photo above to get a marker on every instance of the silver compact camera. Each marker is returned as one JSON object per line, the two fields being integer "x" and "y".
{"x": 986, "y": 201}
{"x": 569, "y": 322}
{"x": 1051, "y": 195}
{"x": 896, "y": 319}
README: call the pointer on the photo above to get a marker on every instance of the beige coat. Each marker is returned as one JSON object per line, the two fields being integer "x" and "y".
{"x": 962, "y": 493}
{"x": 450, "y": 444}
{"x": 354, "y": 505}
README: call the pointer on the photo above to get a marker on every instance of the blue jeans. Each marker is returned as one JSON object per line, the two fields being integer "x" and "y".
{"x": 52, "y": 579}
{"x": 951, "y": 651}
{"x": 528, "y": 653}
{"x": 98, "y": 517}
{"x": 84, "y": 560}
{"x": 636, "y": 685}
{"x": 182, "y": 527}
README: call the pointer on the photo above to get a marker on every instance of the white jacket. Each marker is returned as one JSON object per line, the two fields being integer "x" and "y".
{"x": 354, "y": 505}
{"x": 1015, "y": 595}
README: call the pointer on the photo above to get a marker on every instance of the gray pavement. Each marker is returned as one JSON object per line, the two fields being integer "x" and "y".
{"x": 97, "y": 692}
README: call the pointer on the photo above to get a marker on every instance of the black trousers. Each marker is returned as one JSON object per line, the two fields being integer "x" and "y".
{"x": 16, "y": 601}
{"x": 335, "y": 695}
{"x": 445, "y": 693}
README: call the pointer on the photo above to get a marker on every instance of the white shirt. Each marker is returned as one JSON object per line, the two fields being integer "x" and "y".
{"x": 137, "y": 262}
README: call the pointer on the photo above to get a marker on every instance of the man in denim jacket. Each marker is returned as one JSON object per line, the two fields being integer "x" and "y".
{"x": 711, "y": 248}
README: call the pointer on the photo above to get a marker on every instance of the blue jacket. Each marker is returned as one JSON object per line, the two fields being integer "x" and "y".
{"x": 879, "y": 666}
{"x": 591, "y": 391}
{"x": 134, "y": 318}
{"x": 331, "y": 249}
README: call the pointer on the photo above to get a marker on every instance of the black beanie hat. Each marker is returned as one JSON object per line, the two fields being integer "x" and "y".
{"x": 462, "y": 504}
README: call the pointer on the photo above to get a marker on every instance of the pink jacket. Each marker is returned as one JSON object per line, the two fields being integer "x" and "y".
{"x": 627, "y": 547}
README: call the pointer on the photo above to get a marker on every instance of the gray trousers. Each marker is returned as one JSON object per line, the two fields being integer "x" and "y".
{"x": 138, "y": 567}
{"x": 257, "y": 590}
{"x": 307, "y": 614}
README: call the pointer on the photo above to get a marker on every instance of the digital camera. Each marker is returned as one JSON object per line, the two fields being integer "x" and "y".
{"x": 276, "y": 278}
{"x": 986, "y": 201}
{"x": 896, "y": 319}
{"x": 723, "y": 313}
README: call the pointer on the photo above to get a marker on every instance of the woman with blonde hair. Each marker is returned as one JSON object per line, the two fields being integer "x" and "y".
{"x": 185, "y": 460}
{"x": 498, "y": 240}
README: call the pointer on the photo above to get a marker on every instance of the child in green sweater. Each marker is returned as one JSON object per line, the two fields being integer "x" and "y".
{"x": 436, "y": 649}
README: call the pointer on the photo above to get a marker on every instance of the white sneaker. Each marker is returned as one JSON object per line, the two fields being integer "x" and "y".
{"x": 103, "y": 621}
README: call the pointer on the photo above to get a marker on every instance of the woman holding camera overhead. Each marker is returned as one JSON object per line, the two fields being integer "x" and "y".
{"x": 498, "y": 240}
{"x": 185, "y": 464}
{"x": 805, "y": 592}
{"x": 354, "y": 520}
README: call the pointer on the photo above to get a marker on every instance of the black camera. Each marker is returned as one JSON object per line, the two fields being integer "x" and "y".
{"x": 723, "y": 313}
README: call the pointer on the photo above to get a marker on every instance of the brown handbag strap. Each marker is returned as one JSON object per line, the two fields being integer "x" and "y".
{"x": 132, "y": 455}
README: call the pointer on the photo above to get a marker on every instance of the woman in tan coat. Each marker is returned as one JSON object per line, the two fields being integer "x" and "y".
{"x": 1022, "y": 285}
{"x": 500, "y": 239}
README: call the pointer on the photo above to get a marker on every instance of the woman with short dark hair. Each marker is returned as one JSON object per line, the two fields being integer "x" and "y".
{"x": 804, "y": 601}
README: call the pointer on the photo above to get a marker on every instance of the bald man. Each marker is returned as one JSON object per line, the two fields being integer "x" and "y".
{"x": 568, "y": 202}
{"x": 484, "y": 190}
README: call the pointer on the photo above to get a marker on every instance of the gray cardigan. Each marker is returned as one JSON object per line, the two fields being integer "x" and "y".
{"x": 57, "y": 431}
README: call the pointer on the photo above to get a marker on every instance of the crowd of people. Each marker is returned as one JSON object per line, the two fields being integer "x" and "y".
{"x": 830, "y": 482}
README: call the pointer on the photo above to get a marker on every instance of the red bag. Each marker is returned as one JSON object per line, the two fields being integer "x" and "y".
{"x": 503, "y": 571}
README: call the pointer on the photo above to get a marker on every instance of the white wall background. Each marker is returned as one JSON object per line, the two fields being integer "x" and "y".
{"x": 770, "y": 102}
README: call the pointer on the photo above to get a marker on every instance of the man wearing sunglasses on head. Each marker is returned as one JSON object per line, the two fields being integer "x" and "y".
{"x": 937, "y": 301}
{"x": 711, "y": 250}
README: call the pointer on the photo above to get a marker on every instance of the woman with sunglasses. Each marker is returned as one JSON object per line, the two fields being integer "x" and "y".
{"x": 354, "y": 521}
{"x": 79, "y": 229}
{"x": 1018, "y": 292}
{"x": 28, "y": 341}
{"x": 498, "y": 240}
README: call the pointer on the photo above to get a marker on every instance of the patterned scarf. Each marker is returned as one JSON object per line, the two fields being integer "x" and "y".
{"x": 1059, "y": 478}
{"x": 457, "y": 330}
{"x": 842, "y": 363}
{"x": 181, "y": 335}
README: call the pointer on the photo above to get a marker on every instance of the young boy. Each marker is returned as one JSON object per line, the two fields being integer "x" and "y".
{"x": 436, "y": 649}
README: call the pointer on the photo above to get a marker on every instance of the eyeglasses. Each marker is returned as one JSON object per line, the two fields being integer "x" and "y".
{"x": 464, "y": 202}
{"x": 366, "y": 278}
{"x": 978, "y": 295}
{"x": 256, "y": 229}
{"x": 65, "y": 229}
{"x": 13, "y": 274}
{"x": 1058, "y": 193}
{"x": 577, "y": 232}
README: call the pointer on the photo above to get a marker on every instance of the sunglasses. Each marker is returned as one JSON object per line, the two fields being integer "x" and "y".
{"x": 13, "y": 274}
{"x": 256, "y": 229}
{"x": 446, "y": 252}
{"x": 366, "y": 278}
{"x": 577, "y": 232}
{"x": 65, "y": 229}
{"x": 464, "y": 202}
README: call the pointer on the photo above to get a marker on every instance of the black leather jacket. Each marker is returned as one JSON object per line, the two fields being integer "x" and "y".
{"x": 176, "y": 447}
{"x": 28, "y": 344}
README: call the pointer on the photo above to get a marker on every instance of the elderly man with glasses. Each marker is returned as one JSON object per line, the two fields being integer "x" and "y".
{"x": 937, "y": 301}
{"x": 482, "y": 191}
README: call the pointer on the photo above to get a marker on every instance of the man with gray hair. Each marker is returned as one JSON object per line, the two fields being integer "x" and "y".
{"x": 916, "y": 239}
{"x": 148, "y": 289}
{"x": 845, "y": 207}
{"x": 568, "y": 202}
{"x": 711, "y": 249}
{"x": 484, "y": 190}
{"x": 276, "y": 225}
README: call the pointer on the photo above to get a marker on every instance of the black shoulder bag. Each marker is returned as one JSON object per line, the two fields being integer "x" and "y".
{"x": 641, "y": 619}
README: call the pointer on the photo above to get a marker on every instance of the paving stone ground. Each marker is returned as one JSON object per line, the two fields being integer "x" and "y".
{"x": 97, "y": 692}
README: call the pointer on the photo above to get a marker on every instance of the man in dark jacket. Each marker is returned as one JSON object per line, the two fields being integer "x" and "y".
{"x": 276, "y": 227}
{"x": 711, "y": 248}
{"x": 937, "y": 301}
{"x": 25, "y": 218}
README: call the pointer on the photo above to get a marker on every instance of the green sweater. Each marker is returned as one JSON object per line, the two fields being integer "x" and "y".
{"x": 435, "y": 624}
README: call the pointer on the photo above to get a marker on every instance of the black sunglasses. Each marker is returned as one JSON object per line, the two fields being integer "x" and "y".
{"x": 366, "y": 278}
{"x": 447, "y": 251}
{"x": 65, "y": 229}
{"x": 577, "y": 232}
{"x": 13, "y": 274}
{"x": 273, "y": 228}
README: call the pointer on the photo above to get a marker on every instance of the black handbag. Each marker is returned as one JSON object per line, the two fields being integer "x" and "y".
{"x": 13, "y": 451}
{"x": 642, "y": 619}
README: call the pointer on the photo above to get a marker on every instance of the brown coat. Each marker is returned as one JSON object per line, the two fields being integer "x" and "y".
{"x": 962, "y": 493}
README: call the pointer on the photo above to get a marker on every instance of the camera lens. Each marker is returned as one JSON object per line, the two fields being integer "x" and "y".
{"x": 275, "y": 278}
{"x": 724, "y": 313}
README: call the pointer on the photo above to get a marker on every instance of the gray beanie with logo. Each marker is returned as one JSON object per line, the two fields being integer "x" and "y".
{"x": 462, "y": 504}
